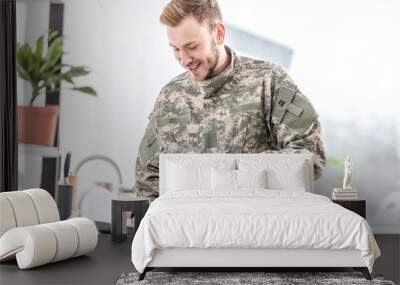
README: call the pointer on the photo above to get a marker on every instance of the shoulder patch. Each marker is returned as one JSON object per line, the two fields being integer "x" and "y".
{"x": 293, "y": 109}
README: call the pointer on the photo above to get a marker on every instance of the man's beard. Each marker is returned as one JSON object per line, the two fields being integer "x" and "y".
{"x": 212, "y": 61}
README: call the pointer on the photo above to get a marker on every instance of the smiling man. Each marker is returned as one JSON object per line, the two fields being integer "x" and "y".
{"x": 197, "y": 47}
{"x": 223, "y": 103}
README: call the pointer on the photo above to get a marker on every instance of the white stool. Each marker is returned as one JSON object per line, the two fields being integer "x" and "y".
{"x": 31, "y": 232}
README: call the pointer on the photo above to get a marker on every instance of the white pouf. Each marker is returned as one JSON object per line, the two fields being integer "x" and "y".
{"x": 46, "y": 207}
{"x": 41, "y": 244}
{"x": 7, "y": 218}
{"x": 23, "y": 208}
{"x": 32, "y": 233}
{"x": 26, "y": 208}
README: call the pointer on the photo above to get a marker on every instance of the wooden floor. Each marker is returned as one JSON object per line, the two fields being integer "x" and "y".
{"x": 389, "y": 262}
{"x": 111, "y": 259}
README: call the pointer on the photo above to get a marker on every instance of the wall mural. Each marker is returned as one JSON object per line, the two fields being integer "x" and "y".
{"x": 374, "y": 146}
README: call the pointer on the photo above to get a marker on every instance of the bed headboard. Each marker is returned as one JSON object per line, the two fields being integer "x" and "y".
{"x": 272, "y": 161}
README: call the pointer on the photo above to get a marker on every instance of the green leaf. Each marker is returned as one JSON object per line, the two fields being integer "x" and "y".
{"x": 78, "y": 71}
{"x": 86, "y": 90}
{"x": 67, "y": 78}
{"x": 53, "y": 80}
{"x": 334, "y": 162}
{"x": 29, "y": 56}
{"x": 56, "y": 68}
{"x": 54, "y": 54}
{"x": 53, "y": 35}
{"x": 22, "y": 72}
{"x": 338, "y": 164}
{"x": 39, "y": 48}
{"x": 24, "y": 56}
{"x": 37, "y": 60}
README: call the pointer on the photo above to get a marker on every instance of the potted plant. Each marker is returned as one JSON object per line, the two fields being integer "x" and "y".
{"x": 37, "y": 125}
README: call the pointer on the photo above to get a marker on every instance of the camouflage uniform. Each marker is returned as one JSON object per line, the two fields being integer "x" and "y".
{"x": 253, "y": 106}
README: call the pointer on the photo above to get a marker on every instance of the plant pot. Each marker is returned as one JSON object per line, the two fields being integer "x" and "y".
{"x": 37, "y": 125}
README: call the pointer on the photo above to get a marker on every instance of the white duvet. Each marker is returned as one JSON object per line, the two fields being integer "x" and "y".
{"x": 252, "y": 218}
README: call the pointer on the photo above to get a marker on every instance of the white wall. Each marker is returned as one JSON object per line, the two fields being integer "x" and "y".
{"x": 126, "y": 48}
{"x": 344, "y": 50}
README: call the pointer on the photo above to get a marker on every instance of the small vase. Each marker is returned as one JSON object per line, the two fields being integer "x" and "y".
{"x": 37, "y": 125}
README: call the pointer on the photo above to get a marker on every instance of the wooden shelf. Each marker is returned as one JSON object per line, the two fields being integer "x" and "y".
{"x": 34, "y": 149}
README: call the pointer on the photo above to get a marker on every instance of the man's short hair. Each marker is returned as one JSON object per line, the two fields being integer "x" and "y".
{"x": 176, "y": 10}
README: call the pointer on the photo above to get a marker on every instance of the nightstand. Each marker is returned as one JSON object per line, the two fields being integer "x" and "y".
{"x": 121, "y": 204}
{"x": 357, "y": 206}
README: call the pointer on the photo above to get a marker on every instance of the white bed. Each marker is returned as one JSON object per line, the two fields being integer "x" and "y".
{"x": 195, "y": 223}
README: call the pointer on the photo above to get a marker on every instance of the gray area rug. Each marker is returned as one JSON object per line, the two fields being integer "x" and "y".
{"x": 229, "y": 278}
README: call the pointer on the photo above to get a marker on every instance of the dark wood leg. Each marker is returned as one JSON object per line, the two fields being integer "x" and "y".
{"x": 116, "y": 221}
{"x": 143, "y": 274}
{"x": 364, "y": 271}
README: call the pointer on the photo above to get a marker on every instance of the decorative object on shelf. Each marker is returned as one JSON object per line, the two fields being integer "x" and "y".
{"x": 64, "y": 192}
{"x": 124, "y": 204}
{"x": 64, "y": 200}
{"x": 344, "y": 194}
{"x": 37, "y": 125}
{"x": 347, "y": 192}
{"x": 347, "y": 173}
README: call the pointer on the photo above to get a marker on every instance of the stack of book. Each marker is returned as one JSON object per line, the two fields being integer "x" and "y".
{"x": 344, "y": 194}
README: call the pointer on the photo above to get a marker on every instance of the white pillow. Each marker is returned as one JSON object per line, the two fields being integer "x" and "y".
{"x": 251, "y": 178}
{"x": 188, "y": 177}
{"x": 227, "y": 179}
{"x": 223, "y": 179}
{"x": 281, "y": 174}
{"x": 293, "y": 178}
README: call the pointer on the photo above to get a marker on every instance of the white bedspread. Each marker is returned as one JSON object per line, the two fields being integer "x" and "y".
{"x": 252, "y": 218}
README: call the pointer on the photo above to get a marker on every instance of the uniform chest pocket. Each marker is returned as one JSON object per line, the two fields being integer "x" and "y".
{"x": 247, "y": 125}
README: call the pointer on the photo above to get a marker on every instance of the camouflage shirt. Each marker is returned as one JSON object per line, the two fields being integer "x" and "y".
{"x": 253, "y": 106}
